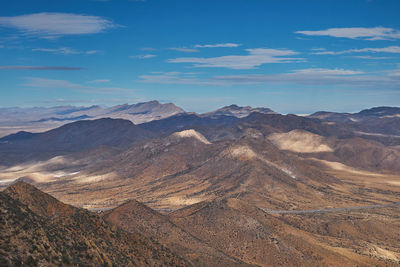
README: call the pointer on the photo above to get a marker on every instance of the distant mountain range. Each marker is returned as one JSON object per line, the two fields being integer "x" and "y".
{"x": 381, "y": 120}
{"x": 41, "y": 119}
{"x": 379, "y": 124}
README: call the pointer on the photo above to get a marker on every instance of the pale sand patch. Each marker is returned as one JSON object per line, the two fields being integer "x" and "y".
{"x": 246, "y": 153}
{"x": 391, "y": 116}
{"x": 242, "y": 152}
{"x": 396, "y": 183}
{"x": 37, "y": 166}
{"x": 383, "y": 253}
{"x": 37, "y": 171}
{"x": 342, "y": 167}
{"x": 183, "y": 201}
{"x": 95, "y": 178}
{"x": 192, "y": 133}
{"x": 300, "y": 141}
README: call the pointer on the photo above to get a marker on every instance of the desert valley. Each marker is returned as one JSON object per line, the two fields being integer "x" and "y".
{"x": 238, "y": 186}
{"x": 200, "y": 133}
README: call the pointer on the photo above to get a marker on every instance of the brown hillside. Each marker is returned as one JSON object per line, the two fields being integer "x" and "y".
{"x": 135, "y": 217}
{"x": 74, "y": 237}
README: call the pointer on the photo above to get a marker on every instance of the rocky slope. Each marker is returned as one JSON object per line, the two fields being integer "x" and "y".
{"x": 37, "y": 230}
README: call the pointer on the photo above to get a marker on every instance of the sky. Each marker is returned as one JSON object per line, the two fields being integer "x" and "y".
{"x": 288, "y": 55}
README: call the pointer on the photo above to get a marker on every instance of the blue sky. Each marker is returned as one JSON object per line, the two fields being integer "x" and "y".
{"x": 291, "y": 56}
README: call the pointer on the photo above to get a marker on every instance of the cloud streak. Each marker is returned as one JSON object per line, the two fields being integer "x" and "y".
{"x": 50, "y": 83}
{"x": 388, "y": 49}
{"x": 321, "y": 77}
{"x": 144, "y": 56}
{"x": 372, "y": 34}
{"x": 177, "y": 78}
{"x": 217, "y": 45}
{"x": 309, "y": 77}
{"x": 38, "y": 82}
{"x": 184, "y": 49}
{"x": 53, "y": 25}
{"x": 100, "y": 81}
{"x": 255, "y": 58}
{"x": 38, "y": 68}
{"x": 66, "y": 51}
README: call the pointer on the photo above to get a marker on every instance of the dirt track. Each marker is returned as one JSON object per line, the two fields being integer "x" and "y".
{"x": 330, "y": 209}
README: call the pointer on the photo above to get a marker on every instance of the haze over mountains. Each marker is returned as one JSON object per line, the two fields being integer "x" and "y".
{"x": 38, "y": 118}
{"x": 238, "y": 186}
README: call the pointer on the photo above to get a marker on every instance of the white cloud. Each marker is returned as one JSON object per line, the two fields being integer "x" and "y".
{"x": 61, "y": 50}
{"x": 92, "y": 52}
{"x": 310, "y": 77}
{"x": 148, "y": 49}
{"x": 389, "y": 49}
{"x": 176, "y": 78}
{"x": 66, "y": 51}
{"x": 100, "y": 81}
{"x": 318, "y": 49}
{"x": 328, "y": 71}
{"x": 143, "y": 56}
{"x": 37, "y": 82}
{"x": 168, "y": 78}
{"x": 320, "y": 77}
{"x": 184, "y": 49}
{"x": 372, "y": 34}
{"x": 371, "y": 57}
{"x": 52, "y": 25}
{"x": 217, "y": 45}
{"x": 50, "y": 83}
{"x": 19, "y": 67}
{"x": 255, "y": 58}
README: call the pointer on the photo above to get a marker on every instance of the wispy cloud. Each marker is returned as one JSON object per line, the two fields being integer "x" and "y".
{"x": 184, "y": 49}
{"x": 60, "y": 50}
{"x": 256, "y": 57}
{"x": 217, "y": 45}
{"x": 328, "y": 71}
{"x": 144, "y": 56}
{"x": 169, "y": 78}
{"x": 388, "y": 49}
{"x": 311, "y": 77}
{"x": 38, "y": 68}
{"x": 372, "y": 57}
{"x": 52, "y": 25}
{"x": 66, "y": 51}
{"x": 372, "y": 34}
{"x": 321, "y": 77}
{"x": 177, "y": 78}
{"x": 38, "y": 82}
{"x": 50, "y": 83}
{"x": 148, "y": 49}
{"x": 92, "y": 52}
{"x": 100, "y": 81}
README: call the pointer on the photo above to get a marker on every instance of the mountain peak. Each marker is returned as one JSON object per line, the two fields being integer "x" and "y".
{"x": 191, "y": 134}
{"x": 237, "y": 111}
{"x": 38, "y": 201}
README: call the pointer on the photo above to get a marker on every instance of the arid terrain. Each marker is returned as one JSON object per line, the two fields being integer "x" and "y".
{"x": 233, "y": 187}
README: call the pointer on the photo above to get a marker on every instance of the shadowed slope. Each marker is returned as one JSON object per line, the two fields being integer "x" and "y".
{"x": 73, "y": 137}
